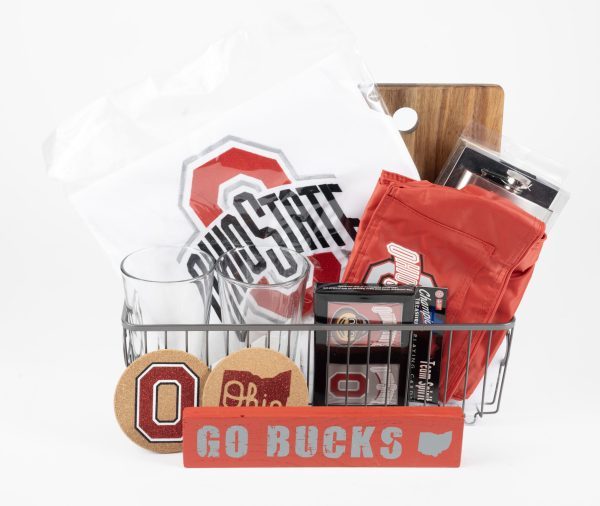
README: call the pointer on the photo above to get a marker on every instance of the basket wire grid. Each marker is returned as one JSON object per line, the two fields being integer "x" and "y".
{"x": 485, "y": 400}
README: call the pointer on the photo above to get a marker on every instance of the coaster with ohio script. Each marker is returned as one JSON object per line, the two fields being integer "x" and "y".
{"x": 255, "y": 377}
{"x": 152, "y": 393}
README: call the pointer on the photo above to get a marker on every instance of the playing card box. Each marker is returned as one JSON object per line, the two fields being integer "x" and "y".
{"x": 351, "y": 367}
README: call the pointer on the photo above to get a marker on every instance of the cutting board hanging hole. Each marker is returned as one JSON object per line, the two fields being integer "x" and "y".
{"x": 405, "y": 119}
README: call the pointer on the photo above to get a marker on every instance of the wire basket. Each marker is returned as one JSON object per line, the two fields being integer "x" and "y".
{"x": 211, "y": 342}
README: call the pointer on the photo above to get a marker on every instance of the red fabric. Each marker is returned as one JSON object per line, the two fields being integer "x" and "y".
{"x": 481, "y": 247}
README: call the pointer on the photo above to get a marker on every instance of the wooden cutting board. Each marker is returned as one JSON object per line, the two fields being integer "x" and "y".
{"x": 444, "y": 112}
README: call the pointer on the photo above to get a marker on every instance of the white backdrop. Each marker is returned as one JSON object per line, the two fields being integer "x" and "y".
{"x": 60, "y": 301}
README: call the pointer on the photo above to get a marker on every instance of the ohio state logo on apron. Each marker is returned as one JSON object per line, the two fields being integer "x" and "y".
{"x": 403, "y": 267}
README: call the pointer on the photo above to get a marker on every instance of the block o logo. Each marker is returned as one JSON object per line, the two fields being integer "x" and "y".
{"x": 152, "y": 394}
{"x": 186, "y": 385}
{"x": 208, "y": 183}
{"x": 354, "y": 382}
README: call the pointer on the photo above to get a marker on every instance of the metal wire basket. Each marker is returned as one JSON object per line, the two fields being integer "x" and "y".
{"x": 211, "y": 342}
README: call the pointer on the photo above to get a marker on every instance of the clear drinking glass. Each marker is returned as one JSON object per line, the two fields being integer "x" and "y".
{"x": 167, "y": 285}
{"x": 262, "y": 285}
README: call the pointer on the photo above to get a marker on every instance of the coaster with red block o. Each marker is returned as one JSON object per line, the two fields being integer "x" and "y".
{"x": 152, "y": 394}
{"x": 322, "y": 436}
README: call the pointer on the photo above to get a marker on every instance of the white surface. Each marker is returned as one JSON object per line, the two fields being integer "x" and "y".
{"x": 405, "y": 119}
{"x": 60, "y": 301}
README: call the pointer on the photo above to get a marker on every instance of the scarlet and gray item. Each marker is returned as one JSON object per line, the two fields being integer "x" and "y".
{"x": 482, "y": 247}
{"x": 273, "y": 138}
{"x": 351, "y": 367}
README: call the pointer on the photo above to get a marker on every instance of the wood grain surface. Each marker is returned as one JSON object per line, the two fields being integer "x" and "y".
{"x": 446, "y": 111}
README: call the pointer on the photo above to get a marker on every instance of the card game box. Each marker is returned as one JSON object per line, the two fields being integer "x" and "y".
{"x": 341, "y": 352}
{"x": 426, "y": 353}
{"x": 351, "y": 367}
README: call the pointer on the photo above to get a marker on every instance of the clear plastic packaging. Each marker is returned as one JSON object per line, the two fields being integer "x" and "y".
{"x": 275, "y": 136}
{"x": 529, "y": 181}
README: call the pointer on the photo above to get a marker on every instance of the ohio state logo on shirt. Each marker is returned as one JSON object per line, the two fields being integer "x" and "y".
{"x": 239, "y": 193}
{"x": 404, "y": 267}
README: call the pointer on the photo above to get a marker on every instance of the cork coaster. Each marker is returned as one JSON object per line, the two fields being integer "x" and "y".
{"x": 151, "y": 395}
{"x": 255, "y": 377}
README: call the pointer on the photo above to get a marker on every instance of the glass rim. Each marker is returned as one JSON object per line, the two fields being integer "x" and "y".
{"x": 292, "y": 281}
{"x": 180, "y": 249}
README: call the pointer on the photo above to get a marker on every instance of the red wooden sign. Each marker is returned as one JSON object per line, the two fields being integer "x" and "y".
{"x": 322, "y": 436}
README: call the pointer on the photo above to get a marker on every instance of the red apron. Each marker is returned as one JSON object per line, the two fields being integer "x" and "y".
{"x": 481, "y": 247}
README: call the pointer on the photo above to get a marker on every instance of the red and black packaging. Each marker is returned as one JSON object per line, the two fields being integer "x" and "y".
{"x": 351, "y": 367}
